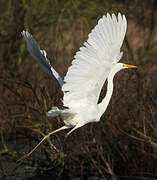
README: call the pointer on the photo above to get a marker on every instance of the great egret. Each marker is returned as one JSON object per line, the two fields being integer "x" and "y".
{"x": 96, "y": 61}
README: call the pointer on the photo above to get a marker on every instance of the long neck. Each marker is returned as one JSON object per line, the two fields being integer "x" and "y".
{"x": 103, "y": 105}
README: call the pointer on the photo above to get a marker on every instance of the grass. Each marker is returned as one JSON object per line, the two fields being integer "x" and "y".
{"x": 123, "y": 145}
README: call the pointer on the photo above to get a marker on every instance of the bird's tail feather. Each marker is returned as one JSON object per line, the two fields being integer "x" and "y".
{"x": 54, "y": 112}
{"x": 65, "y": 113}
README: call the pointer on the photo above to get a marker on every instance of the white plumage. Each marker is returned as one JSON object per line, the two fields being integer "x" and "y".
{"x": 96, "y": 61}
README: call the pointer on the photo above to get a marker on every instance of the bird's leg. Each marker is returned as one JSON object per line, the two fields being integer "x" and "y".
{"x": 28, "y": 154}
{"x": 71, "y": 131}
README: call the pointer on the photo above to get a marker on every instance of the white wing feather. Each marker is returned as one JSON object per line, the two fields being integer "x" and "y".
{"x": 94, "y": 61}
{"x": 40, "y": 56}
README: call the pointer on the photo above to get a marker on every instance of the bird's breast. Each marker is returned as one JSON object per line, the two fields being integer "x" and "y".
{"x": 83, "y": 115}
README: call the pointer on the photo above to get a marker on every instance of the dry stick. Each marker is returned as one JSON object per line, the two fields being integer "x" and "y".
{"x": 28, "y": 154}
{"x": 146, "y": 138}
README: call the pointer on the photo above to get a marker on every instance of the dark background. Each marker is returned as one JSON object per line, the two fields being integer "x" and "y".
{"x": 123, "y": 145}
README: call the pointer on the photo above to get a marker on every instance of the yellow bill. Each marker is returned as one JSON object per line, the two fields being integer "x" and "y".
{"x": 130, "y": 66}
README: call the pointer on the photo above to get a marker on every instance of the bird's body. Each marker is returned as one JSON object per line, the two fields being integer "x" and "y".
{"x": 95, "y": 62}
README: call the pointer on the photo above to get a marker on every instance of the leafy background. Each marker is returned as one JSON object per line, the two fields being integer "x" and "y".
{"x": 124, "y": 144}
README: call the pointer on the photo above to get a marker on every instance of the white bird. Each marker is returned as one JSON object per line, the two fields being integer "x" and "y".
{"x": 96, "y": 61}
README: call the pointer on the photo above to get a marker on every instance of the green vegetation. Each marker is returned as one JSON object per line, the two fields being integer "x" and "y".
{"x": 124, "y": 144}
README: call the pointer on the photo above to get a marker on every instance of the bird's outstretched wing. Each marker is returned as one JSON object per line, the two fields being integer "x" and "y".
{"x": 94, "y": 61}
{"x": 40, "y": 56}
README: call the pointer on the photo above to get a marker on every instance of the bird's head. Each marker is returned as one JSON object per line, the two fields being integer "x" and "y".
{"x": 120, "y": 66}
{"x": 123, "y": 66}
